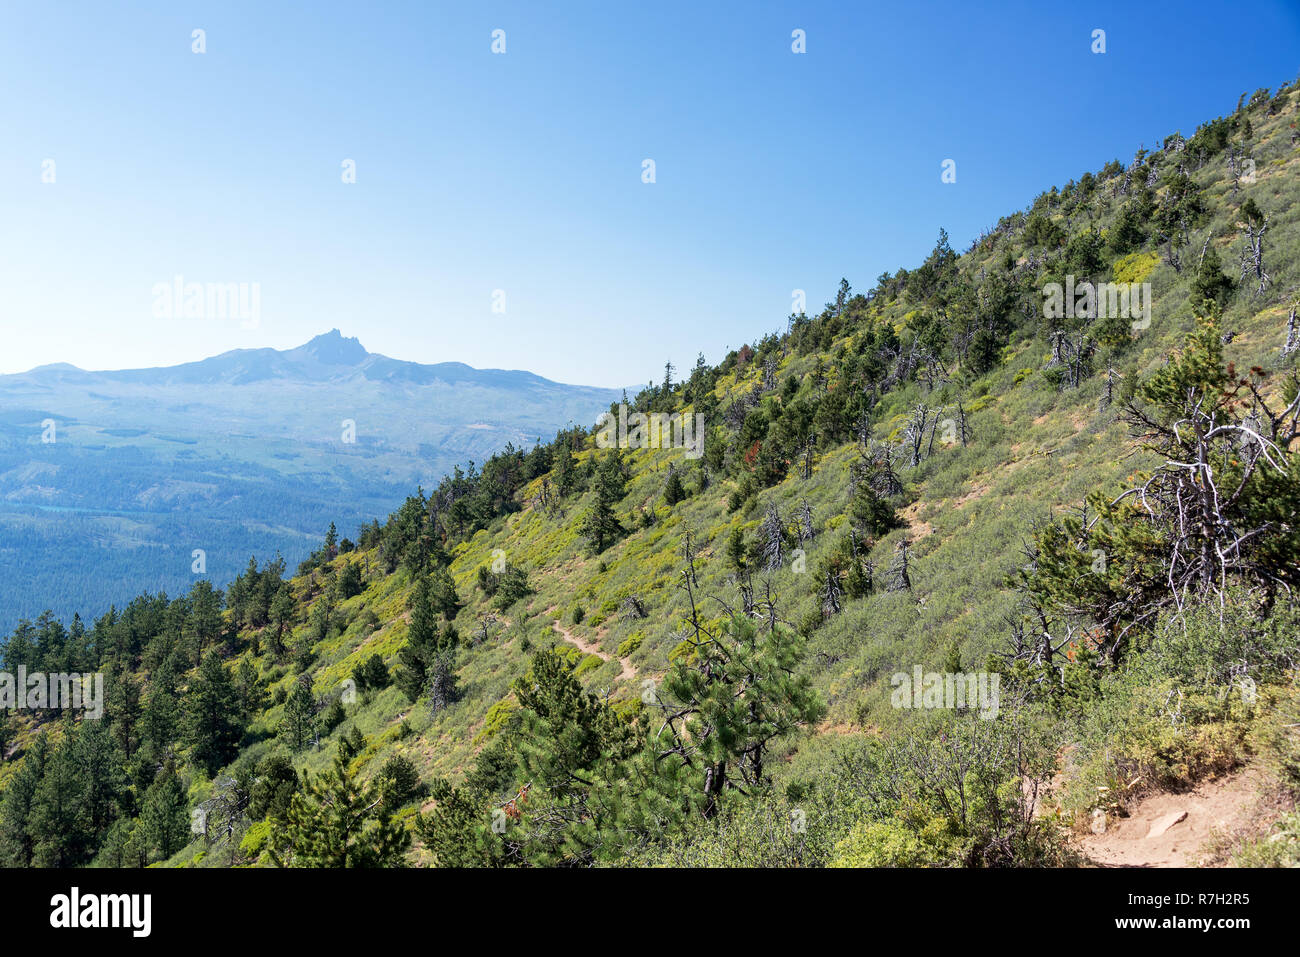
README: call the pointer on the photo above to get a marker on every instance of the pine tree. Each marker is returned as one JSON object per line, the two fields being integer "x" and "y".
{"x": 243, "y": 594}
{"x": 165, "y": 815}
{"x": 58, "y": 831}
{"x": 124, "y": 709}
{"x": 350, "y": 582}
{"x": 17, "y": 846}
{"x": 77, "y": 797}
{"x": 321, "y": 619}
{"x": 413, "y": 674}
{"x": 337, "y": 822}
{"x": 673, "y": 490}
{"x": 567, "y": 752}
{"x": 274, "y": 785}
{"x": 213, "y": 728}
{"x": 160, "y": 720}
{"x": 204, "y": 616}
{"x": 858, "y": 579}
{"x": 442, "y": 673}
{"x": 600, "y": 526}
{"x": 249, "y": 691}
{"x": 566, "y": 469}
{"x": 458, "y": 831}
{"x": 666, "y": 390}
{"x": 729, "y": 702}
{"x": 736, "y": 549}
{"x": 871, "y": 513}
{"x": 1211, "y": 284}
{"x": 101, "y": 779}
{"x": 442, "y": 593}
{"x": 399, "y": 781}
{"x": 427, "y": 660}
{"x": 371, "y": 675}
{"x": 299, "y": 725}
{"x": 510, "y": 586}
{"x": 283, "y": 610}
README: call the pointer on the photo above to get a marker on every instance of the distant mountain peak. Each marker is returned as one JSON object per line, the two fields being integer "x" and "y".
{"x": 332, "y": 348}
{"x": 57, "y": 367}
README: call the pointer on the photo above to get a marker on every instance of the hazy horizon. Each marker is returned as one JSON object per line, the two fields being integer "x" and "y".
{"x": 341, "y": 332}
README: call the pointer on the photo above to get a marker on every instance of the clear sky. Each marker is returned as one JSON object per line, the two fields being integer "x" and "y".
{"x": 522, "y": 171}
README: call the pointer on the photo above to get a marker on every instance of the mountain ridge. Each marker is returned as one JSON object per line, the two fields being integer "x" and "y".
{"x": 326, "y": 356}
{"x": 340, "y": 431}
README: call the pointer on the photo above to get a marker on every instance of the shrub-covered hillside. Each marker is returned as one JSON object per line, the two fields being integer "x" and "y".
{"x": 581, "y": 655}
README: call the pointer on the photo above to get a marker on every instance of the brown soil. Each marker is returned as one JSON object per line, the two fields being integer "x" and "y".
{"x": 591, "y": 648}
{"x": 1219, "y": 806}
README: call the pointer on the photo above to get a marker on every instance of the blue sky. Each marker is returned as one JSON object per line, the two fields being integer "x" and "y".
{"x": 522, "y": 172}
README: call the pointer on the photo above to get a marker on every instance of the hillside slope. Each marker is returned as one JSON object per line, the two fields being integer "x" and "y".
{"x": 584, "y": 655}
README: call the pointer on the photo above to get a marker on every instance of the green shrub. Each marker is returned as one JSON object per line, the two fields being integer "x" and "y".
{"x": 890, "y": 844}
{"x": 1279, "y": 849}
{"x": 399, "y": 781}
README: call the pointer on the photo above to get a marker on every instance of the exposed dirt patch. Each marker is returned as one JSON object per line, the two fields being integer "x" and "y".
{"x": 917, "y": 528}
{"x": 1172, "y": 830}
{"x": 977, "y": 491}
{"x": 591, "y": 648}
{"x": 842, "y": 727}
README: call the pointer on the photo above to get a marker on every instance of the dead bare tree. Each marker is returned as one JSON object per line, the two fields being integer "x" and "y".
{"x": 1292, "y": 334}
{"x": 831, "y": 593}
{"x": 745, "y": 585}
{"x": 1252, "y": 255}
{"x": 1108, "y": 393}
{"x": 934, "y": 425}
{"x": 221, "y": 816}
{"x": 766, "y": 609}
{"x": 804, "y": 524}
{"x": 771, "y": 535}
{"x": 1223, "y": 448}
{"x": 1234, "y": 169}
{"x": 739, "y": 408}
{"x": 905, "y": 362}
{"x": 883, "y": 476}
{"x": 914, "y": 432}
{"x": 899, "y": 576}
{"x": 632, "y": 608}
{"x": 862, "y": 427}
{"x": 932, "y": 372}
{"x": 688, "y": 583}
{"x": 963, "y": 430}
{"x": 485, "y": 624}
{"x": 806, "y": 457}
{"x": 1072, "y": 351}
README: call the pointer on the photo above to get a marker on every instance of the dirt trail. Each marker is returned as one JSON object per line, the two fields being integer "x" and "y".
{"x": 591, "y": 648}
{"x": 1171, "y": 830}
